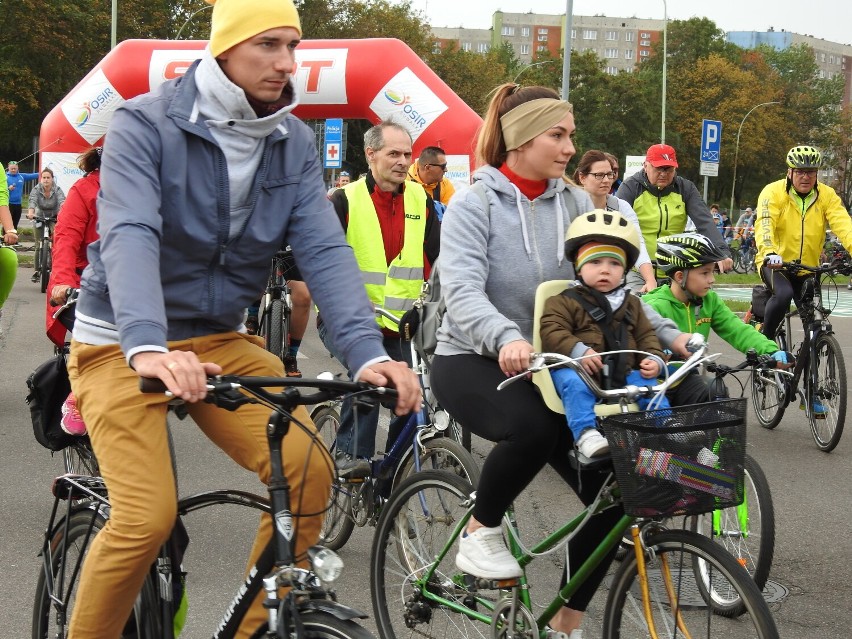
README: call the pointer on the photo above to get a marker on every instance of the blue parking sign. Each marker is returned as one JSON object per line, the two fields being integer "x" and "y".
{"x": 711, "y": 140}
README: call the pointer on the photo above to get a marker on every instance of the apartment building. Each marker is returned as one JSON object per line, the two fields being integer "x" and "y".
{"x": 621, "y": 42}
{"x": 833, "y": 59}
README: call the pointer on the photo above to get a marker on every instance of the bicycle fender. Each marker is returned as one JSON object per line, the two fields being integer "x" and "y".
{"x": 344, "y": 613}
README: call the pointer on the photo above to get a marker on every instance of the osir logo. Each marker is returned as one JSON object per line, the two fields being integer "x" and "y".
{"x": 90, "y": 106}
{"x": 407, "y": 100}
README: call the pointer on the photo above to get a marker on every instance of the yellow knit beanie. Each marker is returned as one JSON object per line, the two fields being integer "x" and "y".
{"x": 235, "y": 21}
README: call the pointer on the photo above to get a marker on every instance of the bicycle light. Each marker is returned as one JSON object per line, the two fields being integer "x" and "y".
{"x": 326, "y": 563}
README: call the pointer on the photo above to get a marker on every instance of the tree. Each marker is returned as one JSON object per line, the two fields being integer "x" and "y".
{"x": 839, "y": 157}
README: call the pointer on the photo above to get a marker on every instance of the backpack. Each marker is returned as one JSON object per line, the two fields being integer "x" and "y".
{"x": 49, "y": 386}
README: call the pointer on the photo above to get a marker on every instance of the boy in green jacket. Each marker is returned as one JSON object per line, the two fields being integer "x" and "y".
{"x": 689, "y": 260}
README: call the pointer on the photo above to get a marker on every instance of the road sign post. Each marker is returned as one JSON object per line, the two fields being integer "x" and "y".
{"x": 333, "y": 143}
{"x": 711, "y": 145}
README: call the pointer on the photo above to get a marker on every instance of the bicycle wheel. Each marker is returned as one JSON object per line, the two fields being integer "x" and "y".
{"x": 827, "y": 386}
{"x": 338, "y": 523}
{"x": 67, "y": 554}
{"x": 45, "y": 265}
{"x": 739, "y": 264}
{"x": 416, "y": 524}
{"x": 273, "y": 327}
{"x": 768, "y": 397}
{"x": 670, "y": 569}
{"x": 441, "y": 453}
{"x": 322, "y": 625}
{"x": 79, "y": 458}
{"x": 748, "y": 535}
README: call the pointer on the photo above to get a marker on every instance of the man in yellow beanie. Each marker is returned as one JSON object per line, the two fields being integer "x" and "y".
{"x": 224, "y": 176}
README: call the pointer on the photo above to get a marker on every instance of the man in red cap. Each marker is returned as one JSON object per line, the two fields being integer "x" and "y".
{"x": 664, "y": 201}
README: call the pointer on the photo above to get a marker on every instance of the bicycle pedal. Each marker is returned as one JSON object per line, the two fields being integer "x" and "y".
{"x": 496, "y": 584}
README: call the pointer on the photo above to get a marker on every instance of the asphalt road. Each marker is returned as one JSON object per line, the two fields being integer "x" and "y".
{"x": 810, "y": 490}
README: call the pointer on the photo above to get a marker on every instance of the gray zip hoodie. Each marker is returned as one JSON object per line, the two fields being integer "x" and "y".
{"x": 492, "y": 261}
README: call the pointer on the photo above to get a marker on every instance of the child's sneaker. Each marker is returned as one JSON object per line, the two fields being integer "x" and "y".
{"x": 482, "y": 553}
{"x": 592, "y": 444}
{"x": 818, "y": 409}
{"x": 72, "y": 422}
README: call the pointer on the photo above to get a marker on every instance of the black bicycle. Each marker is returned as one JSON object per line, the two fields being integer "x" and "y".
{"x": 744, "y": 256}
{"x": 44, "y": 251}
{"x": 308, "y": 610}
{"x": 276, "y": 306}
{"x": 819, "y": 363}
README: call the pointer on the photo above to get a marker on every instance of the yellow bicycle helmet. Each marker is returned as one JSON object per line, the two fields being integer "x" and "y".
{"x": 804, "y": 157}
{"x": 607, "y": 227}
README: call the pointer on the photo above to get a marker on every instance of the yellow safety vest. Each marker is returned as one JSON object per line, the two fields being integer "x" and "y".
{"x": 395, "y": 286}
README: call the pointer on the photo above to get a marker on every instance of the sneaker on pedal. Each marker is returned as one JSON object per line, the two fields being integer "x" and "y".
{"x": 592, "y": 444}
{"x": 353, "y": 467}
{"x": 36, "y": 277}
{"x": 72, "y": 422}
{"x": 252, "y": 325}
{"x": 818, "y": 409}
{"x": 291, "y": 366}
{"x": 482, "y": 553}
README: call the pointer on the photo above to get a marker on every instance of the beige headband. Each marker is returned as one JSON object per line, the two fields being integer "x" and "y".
{"x": 527, "y": 120}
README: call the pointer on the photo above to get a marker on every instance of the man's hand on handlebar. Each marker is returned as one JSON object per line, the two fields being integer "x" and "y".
{"x": 181, "y": 371}
{"x": 399, "y": 376}
{"x": 774, "y": 261}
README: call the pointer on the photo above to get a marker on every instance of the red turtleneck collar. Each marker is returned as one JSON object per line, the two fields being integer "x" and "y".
{"x": 530, "y": 188}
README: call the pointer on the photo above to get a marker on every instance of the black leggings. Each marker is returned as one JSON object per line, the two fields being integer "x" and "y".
{"x": 785, "y": 288}
{"x": 527, "y": 435}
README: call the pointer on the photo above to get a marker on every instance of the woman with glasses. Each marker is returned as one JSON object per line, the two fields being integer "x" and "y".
{"x": 596, "y": 175}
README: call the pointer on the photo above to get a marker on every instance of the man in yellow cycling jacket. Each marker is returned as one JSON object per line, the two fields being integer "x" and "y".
{"x": 792, "y": 217}
{"x": 391, "y": 224}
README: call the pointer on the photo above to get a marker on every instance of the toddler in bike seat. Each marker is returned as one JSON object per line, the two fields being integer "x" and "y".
{"x": 598, "y": 314}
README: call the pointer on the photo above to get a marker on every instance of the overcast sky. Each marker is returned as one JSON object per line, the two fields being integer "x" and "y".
{"x": 827, "y": 19}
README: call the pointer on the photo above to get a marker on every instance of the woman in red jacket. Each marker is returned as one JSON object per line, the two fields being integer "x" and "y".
{"x": 76, "y": 228}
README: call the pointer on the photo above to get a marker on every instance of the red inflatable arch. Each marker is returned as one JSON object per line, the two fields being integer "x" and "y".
{"x": 366, "y": 79}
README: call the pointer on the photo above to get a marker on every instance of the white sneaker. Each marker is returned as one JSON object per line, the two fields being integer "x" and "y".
{"x": 592, "y": 444}
{"x": 483, "y": 554}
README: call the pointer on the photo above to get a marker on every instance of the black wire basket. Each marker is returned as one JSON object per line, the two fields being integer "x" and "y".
{"x": 685, "y": 460}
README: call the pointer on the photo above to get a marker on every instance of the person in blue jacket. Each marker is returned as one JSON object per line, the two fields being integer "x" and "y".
{"x": 15, "y": 181}
{"x": 224, "y": 175}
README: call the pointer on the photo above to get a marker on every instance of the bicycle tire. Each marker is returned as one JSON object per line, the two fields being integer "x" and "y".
{"x": 770, "y": 393}
{"x": 739, "y": 265}
{"x": 830, "y": 371}
{"x": 79, "y": 458}
{"x": 753, "y": 548}
{"x": 338, "y": 522}
{"x": 273, "y": 325}
{"x": 440, "y": 453}
{"x": 416, "y": 523}
{"x": 322, "y": 625}
{"x": 46, "y": 264}
{"x": 623, "y": 614}
{"x": 144, "y": 621}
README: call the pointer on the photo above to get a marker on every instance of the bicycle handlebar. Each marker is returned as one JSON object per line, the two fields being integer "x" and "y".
{"x": 544, "y": 361}
{"x": 752, "y": 360}
{"x": 842, "y": 266}
{"x": 223, "y": 390}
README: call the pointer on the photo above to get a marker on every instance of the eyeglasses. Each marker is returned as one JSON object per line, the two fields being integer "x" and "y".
{"x": 443, "y": 166}
{"x": 600, "y": 177}
{"x": 805, "y": 172}
{"x": 663, "y": 169}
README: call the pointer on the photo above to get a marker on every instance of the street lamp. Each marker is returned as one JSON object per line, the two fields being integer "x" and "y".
{"x": 530, "y": 66}
{"x": 737, "y": 153}
{"x": 566, "y": 48}
{"x": 194, "y": 13}
{"x": 665, "y": 55}
{"x": 113, "y": 21}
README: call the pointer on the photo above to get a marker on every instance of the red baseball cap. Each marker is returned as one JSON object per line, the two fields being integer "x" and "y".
{"x": 661, "y": 155}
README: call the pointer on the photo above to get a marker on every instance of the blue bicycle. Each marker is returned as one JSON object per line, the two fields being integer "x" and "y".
{"x": 424, "y": 443}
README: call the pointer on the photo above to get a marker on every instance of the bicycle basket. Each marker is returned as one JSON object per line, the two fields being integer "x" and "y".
{"x": 679, "y": 461}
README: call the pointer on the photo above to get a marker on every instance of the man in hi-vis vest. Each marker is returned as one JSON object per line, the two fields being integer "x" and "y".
{"x": 392, "y": 226}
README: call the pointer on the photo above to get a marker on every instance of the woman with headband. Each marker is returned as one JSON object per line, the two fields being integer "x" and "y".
{"x": 499, "y": 240}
